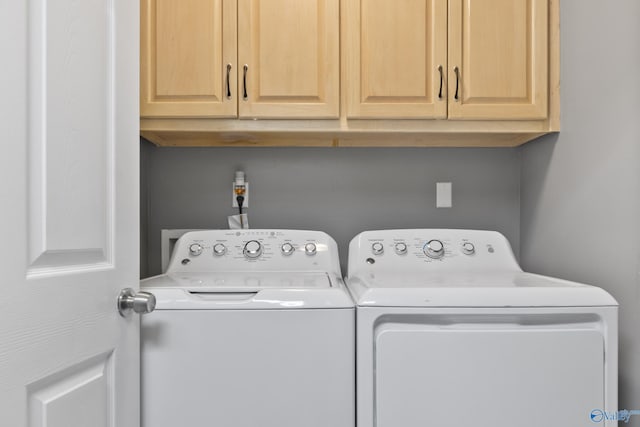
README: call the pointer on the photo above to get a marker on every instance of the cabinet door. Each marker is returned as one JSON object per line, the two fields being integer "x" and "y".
{"x": 187, "y": 47}
{"x": 499, "y": 49}
{"x": 292, "y": 56}
{"x": 396, "y": 58}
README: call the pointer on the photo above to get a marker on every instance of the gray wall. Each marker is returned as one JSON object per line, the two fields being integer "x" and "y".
{"x": 580, "y": 209}
{"x": 145, "y": 154}
{"x": 341, "y": 191}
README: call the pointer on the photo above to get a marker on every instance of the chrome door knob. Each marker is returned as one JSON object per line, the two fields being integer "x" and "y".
{"x": 131, "y": 302}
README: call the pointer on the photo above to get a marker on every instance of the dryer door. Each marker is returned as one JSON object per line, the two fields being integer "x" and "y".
{"x": 491, "y": 370}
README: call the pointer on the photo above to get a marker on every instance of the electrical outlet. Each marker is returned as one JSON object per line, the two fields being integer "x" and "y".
{"x": 234, "y": 202}
{"x": 443, "y": 195}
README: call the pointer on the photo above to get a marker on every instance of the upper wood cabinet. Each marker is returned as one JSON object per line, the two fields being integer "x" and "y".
{"x": 447, "y": 73}
{"x": 492, "y": 53}
{"x": 498, "y": 59}
{"x": 288, "y": 52}
{"x": 185, "y": 48}
{"x": 291, "y": 49}
{"x": 396, "y": 58}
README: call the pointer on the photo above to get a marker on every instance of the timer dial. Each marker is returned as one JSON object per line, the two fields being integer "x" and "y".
{"x": 434, "y": 249}
{"x": 252, "y": 249}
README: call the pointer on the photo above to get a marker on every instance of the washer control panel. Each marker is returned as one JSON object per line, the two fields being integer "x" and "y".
{"x": 266, "y": 250}
{"x": 417, "y": 249}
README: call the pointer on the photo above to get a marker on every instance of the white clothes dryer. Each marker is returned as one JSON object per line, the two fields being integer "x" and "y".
{"x": 451, "y": 332}
{"x": 251, "y": 328}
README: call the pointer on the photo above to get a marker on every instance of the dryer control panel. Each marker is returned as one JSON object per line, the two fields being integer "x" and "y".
{"x": 264, "y": 250}
{"x": 430, "y": 250}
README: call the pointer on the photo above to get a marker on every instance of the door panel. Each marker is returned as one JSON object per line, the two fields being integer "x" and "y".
{"x": 85, "y": 390}
{"x": 303, "y": 357}
{"x": 498, "y": 368}
{"x": 187, "y": 46}
{"x": 69, "y": 193}
{"x": 394, "y": 51}
{"x": 500, "y": 49}
{"x": 69, "y": 107}
{"x": 291, "y": 49}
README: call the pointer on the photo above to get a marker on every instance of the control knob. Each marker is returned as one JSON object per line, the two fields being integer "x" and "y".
{"x": 377, "y": 248}
{"x": 195, "y": 249}
{"x": 252, "y": 249}
{"x": 310, "y": 248}
{"x": 434, "y": 249}
{"x": 287, "y": 249}
{"x": 219, "y": 249}
{"x": 400, "y": 248}
{"x": 468, "y": 248}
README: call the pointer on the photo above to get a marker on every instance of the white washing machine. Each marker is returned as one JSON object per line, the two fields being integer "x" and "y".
{"x": 251, "y": 328}
{"x": 451, "y": 332}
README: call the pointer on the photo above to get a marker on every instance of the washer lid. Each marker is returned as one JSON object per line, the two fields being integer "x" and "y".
{"x": 496, "y": 289}
{"x": 254, "y": 290}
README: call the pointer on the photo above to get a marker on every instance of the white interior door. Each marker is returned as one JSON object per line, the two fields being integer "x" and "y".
{"x": 69, "y": 212}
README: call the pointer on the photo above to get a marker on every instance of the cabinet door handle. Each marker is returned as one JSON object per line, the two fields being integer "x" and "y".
{"x": 457, "y": 71}
{"x": 245, "y": 95}
{"x": 228, "y": 81}
{"x": 441, "y": 81}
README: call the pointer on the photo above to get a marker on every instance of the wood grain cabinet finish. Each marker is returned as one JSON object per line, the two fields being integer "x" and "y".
{"x": 499, "y": 49}
{"x": 396, "y": 58}
{"x": 292, "y": 52}
{"x": 186, "y": 47}
{"x": 493, "y": 52}
{"x": 439, "y": 73}
{"x": 240, "y": 58}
